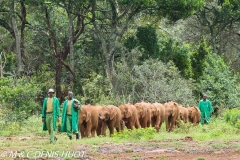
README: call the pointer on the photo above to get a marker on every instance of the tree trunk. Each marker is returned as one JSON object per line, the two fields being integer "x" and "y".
{"x": 1, "y": 66}
{"x": 58, "y": 76}
{"x": 17, "y": 38}
{"x": 23, "y": 19}
{"x": 71, "y": 50}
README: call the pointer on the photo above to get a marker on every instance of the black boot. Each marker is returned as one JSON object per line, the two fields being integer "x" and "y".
{"x": 70, "y": 137}
{"x": 77, "y": 136}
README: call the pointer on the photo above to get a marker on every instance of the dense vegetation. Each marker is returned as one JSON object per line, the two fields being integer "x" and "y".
{"x": 113, "y": 52}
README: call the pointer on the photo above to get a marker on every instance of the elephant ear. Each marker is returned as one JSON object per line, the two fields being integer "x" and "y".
{"x": 88, "y": 116}
{"x": 113, "y": 113}
{"x": 158, "y": 111}
{"x": 144, "y": 111}
{"x": 175, "y": 109}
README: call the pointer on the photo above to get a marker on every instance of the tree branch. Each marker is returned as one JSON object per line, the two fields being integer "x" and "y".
{"x": 52, "y": 34}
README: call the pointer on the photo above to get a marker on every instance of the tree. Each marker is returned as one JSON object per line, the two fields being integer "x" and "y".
{"x": 219, "y": 83}
{"x": 153, "y": 81}
{"x": 148, "y": 40}
{"x": 18, "y": 18}
{"x": 111, "y": 20}
{"x": 198, "y": 59}
{"x": 58, "y": 37}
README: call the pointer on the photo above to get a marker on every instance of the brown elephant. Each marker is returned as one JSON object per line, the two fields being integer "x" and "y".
{"x": 194, "y": 115}
{"x": 110, "y": 116}
{"x": 99, "y": 127}
{"x": 183, "y": 113}
{"x": 88, "y": 120}
{"x": 129, "y": 116}
{"x": 144, "y": 113}
{"x": 171, "y": 115}
{"x": 158, "y": 115}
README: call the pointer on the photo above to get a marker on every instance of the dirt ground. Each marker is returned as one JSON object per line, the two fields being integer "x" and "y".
{"x": 182, "y": 149}
{"x": 168, "y": 149}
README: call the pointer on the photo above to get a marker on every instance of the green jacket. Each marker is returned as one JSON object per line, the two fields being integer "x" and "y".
{"x": 74, "y": 116}
{"x": 56, "y": 113}
{"x": 205, "y": 109}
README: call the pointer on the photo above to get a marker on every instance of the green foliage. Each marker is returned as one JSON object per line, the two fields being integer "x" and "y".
{"x": 175, "y": 10}
{"x": 198, "y": 59}
{"x": 153, "y": 81}
{"x": 232, "y": 116}
{"x": 18, "y": 97}
{"x": 136, "y": 134}
{"x": 96, "y": 90}
{"x": 131, "y": 43}
{"x": 219, "y": 83}
{"x": 147, "y": 38}
{"x": 172, "y": 50}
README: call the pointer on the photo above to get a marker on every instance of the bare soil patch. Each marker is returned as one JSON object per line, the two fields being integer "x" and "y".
{"x": 181, "y": 149}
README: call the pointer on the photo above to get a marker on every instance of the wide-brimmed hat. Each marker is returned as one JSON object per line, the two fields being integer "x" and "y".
{"x": 50, "y": 90}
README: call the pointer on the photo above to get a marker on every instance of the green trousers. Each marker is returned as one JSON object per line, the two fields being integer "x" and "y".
{"x": 49, "y": 123}
{"x": 69, "y": 126}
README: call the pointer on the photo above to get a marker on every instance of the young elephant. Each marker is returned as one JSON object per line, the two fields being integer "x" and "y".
{"x": 171, "y": 115}
{"x": 110, "y": 116}
{"x": 158, "y": 115}
{"x": 194, "y": 115}
{"x": 144, "y": 113}
{"x": 88, "y": 120}
{"x": 99, "y": 127}
{"x": 129, "y": 116}
{"x": 183, "y": 113}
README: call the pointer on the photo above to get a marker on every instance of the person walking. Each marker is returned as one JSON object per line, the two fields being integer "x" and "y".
{"x": 70, "y": 116}
{"x": 206, "y": 110}
{"x": 50, "y": 114}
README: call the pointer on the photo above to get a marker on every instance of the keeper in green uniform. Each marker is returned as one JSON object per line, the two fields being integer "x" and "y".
{"x": 206, "y": 110}
{"x": 50, "y": 114}
{"x": 70, "y": 116}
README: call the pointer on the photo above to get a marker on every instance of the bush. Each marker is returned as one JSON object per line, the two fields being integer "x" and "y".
{"x": 219, "y": 83}
{"x": 233, "y": 117}
{"x": 153, "y": 81}
{"x": 136, "y": 134}
{"x": 18, "y": 98}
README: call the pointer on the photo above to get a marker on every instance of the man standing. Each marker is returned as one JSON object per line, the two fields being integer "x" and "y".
{"x": 70, "y": 116}
{"x": 206, "y": 110}
{"x": 50, "y": 114}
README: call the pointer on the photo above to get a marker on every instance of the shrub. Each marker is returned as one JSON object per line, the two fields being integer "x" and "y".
{"x": 219, "y": 82}
{"x": 18, "y": 98}
{"x": 233, "y": 117}
{"x": 136, "y": 134}
{"x": 153, "y": 81}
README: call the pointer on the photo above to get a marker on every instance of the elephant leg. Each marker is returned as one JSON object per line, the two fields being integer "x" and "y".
{"x": 122, "y": 125}
{"x": 167, "y": 124}
{"x": 99, "y": 128}
{"x": 130, "y": 125}
{"x": 82, "y": 131}
{"x": 88, "y": 129}
{"x": 104, "y": 128}
{"x": 173, "y": 123}
{"x": 153, "y": 123}
{"x": 157, "y": 124}
{"x": 93, "y": 131}
{"x": 118, "y": 126}
{"x": 137, "y": 125}
{"x": 111, "y": 128}
{"x": 160, "y": 124}
{"x": 148, "y": 123}
{"x": 194, "y": 121}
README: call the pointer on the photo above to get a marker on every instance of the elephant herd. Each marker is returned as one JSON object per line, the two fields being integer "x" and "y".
{"x": 96, "y": 119}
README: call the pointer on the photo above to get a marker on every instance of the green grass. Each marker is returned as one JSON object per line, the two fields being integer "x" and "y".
{"x": 23, "y": 141}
